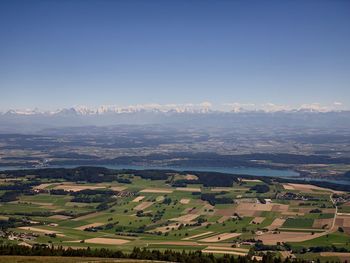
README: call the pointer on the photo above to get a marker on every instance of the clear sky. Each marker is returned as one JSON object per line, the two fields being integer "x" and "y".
{"x": 62, "y": 53}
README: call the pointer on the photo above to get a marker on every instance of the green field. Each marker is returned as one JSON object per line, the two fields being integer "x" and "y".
{"x": 298, "y": 223}
{"x": 157, "y": 214}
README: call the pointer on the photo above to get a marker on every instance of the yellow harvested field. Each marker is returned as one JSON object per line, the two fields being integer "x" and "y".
{"x": 308, "y": 188}
{"x": 288, "y": 187}
{"x": 40, "y": 230}
{"x": 251, "y": 180}
{"x": 214, "y": 247}
{"x": 257, "y": 220}
{"x": 60, "y": 217}
{"x": 343, "y": 214}
{"x": 191, "y": 177}
{"x": 106, "y": 241}
{"x": 185, "y": 201}
{"x": 272, "y": 239}
{"x": 143, "y": 206}
{"x": 77, "y": 188}
{"x": 287, "y": 254}
{"x": 185, "y": 218}
{"x": 165, "y": 229}
{"x": 254, "y": 206}
{"x": 177, "y": 243}
{"x": 43, "y": 186}
{"x": 157, "y": 190}
{"x": 261, "y": 207}
{"x": 198, "y": 235}
{"x": 138, "y": 199}
{"x": 188, "y": 189}
{"x": 118, "y": 188}
{"x": 343, "y": 256}
{"x": 25, "y": 244}
{"x": 211, "y": 251}
{"x": 277, "y": 223}
{"x": 248, "y": 209}
{"x": 220, "y": 237}
{"x": 89, "y": 225}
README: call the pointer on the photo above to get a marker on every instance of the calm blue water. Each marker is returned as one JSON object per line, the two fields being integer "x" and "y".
{"x": 233, "y": 170}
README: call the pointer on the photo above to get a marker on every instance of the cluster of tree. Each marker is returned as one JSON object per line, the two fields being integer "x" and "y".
{"x": 19, "y": 186}
{"x": 13, "y": 190}
{"x": 260, "y": 188}
{"x": 123, "y": 180}
{"x": 92, "y": 196}
{"x": 59, "y": 192}
{"x": 259, "y": 246}
{"x": 347, "y": 175}
{"x": 84, "y": 173}
{"x": 324, "y": 249}
{"x": 137, "y": 253}
{"x": 10, "y": 196}
{"x": 261, "y": 200}
{"x": 101, "y": 174}
{"x": 158, "y": 216}
{"x": 12, "y": 222}
{"x": 213, "y": 179}
{"x": 209, "y": 179}
{"x": 315, "y": 211}
{"x": 214, "y": 199}
{"x": 182, "y": 183}
{"x": 31, "y": 213}
{"x": 105, "y": 205}
{"x": 167, "y": 201}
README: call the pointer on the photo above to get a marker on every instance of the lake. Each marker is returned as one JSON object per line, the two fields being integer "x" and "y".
{"x": 233, "y": 170}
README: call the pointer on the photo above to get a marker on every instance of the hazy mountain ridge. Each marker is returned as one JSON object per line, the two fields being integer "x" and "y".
{"x": 36, "y": 120}
{"x": 203, "y": 108}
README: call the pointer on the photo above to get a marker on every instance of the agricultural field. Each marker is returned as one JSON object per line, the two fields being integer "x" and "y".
{"x": 178, "y": 212}
{"x": 21, "y": 259}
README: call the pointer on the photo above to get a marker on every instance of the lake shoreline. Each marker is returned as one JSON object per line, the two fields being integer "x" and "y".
{"x": 287, "y": 174}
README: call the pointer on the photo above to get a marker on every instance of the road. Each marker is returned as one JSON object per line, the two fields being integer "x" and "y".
{"x": 335, "y": 214}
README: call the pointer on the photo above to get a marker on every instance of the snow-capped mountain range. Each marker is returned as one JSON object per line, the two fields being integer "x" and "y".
{"x": 178, "y": 115}
{"x": 202, "y": 108}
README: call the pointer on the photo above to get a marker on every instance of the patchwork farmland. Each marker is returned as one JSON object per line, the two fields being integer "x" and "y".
{"x": 176, "y": 211}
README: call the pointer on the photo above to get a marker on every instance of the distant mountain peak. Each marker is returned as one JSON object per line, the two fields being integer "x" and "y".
{"x": 201, "y": 108}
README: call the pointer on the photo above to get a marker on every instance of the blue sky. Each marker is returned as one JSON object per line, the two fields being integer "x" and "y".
{"x": 62, "y": 53}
